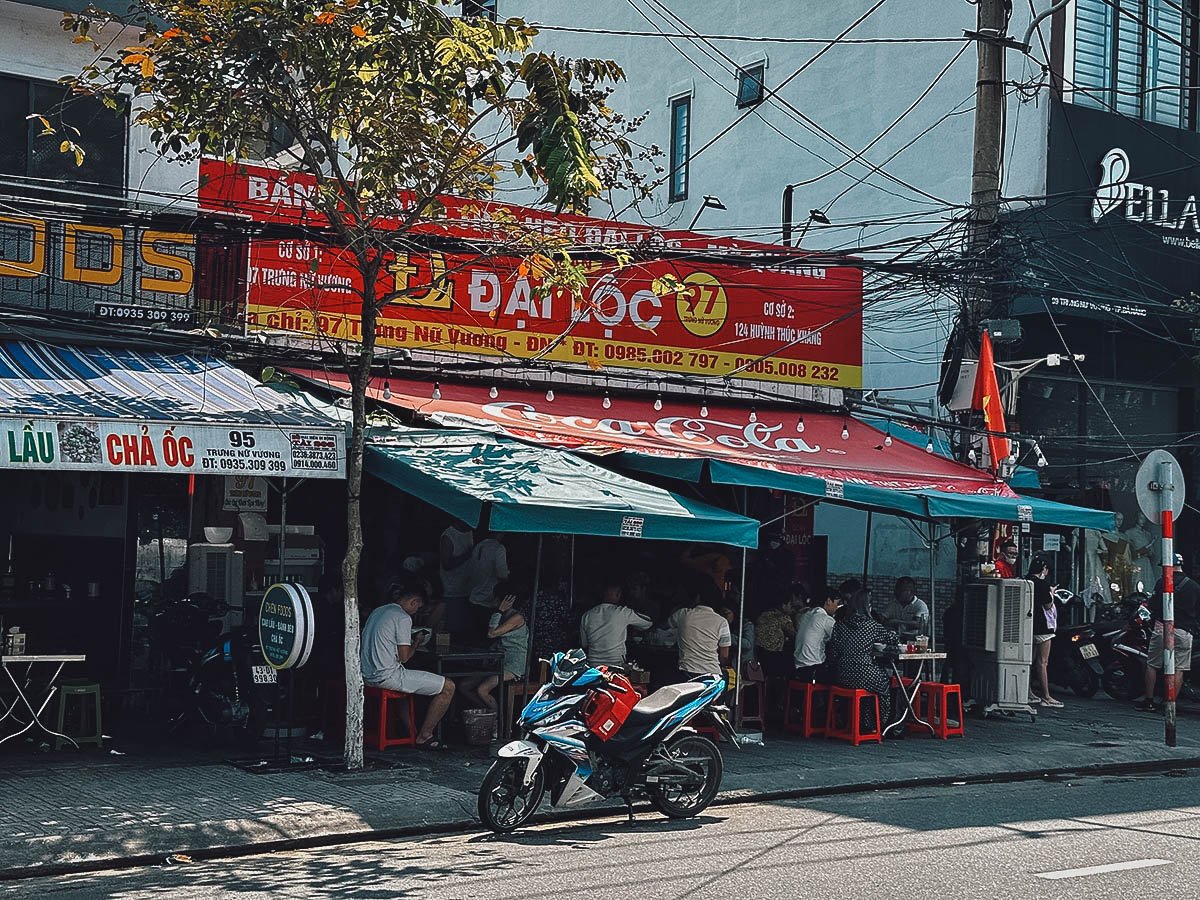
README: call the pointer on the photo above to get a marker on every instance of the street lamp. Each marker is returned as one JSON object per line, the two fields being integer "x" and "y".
{"x": 709, "y": 201}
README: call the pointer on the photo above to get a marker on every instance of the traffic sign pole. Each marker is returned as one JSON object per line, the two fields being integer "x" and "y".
{"x": 1166, "y": 490}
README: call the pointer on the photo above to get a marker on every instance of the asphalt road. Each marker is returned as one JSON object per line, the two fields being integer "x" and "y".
{"x": 1018, "y": 841}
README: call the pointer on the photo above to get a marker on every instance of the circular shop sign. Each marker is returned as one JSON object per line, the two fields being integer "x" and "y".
{"x": 285, "y": 626}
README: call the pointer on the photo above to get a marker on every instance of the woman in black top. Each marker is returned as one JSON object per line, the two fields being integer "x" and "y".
{"x": 1045, "y": 623}
{"x": 852, "y": 653}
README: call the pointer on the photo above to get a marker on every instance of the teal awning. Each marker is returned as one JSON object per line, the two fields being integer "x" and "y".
{"x": 1019, "y": 509}
{"x": 523, "y": 488}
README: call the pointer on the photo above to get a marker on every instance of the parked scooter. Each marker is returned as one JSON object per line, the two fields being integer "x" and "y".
{"x": 588, "y": 738}
{"x": 1075, "y": 654}
{"x": 214, "y": 697}
{"x": 1122, "y": 678}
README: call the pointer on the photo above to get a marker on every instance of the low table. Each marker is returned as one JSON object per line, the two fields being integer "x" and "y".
{"x": 31, "y": 688}
{"x": 910, "y": 693}
{"x": 477, "y": 664}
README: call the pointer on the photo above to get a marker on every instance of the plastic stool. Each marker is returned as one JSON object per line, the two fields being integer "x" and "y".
{"x": 941, "y": 706}
{"x": 83, "y": 690}
{"x": 378, "y": 737}
{"x": 756, "y": 717}
{"x": 811, "y": 723}
{"x": 852, "y": 731}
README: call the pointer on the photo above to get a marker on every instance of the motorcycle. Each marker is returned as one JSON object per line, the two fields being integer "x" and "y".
{"x": 1122, "y": 678}
{"x": 1075, "y": 660}
{"x": 580, "y": 757}
{"x": 217, "y": 694}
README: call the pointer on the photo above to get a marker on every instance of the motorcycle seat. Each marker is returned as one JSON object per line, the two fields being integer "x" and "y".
{"x": 653, "y": 709}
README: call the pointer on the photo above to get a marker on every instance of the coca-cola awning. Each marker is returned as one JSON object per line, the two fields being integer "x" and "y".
{"x": 826, "y": 455}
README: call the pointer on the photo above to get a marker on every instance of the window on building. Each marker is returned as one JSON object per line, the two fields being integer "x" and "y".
{"x": 681, "y": 133}
{"x": 27, "y": 153}
{"x": 750, "y": 85}
{"x": 1136, "y": 57}
{"x": 480, "y": 9}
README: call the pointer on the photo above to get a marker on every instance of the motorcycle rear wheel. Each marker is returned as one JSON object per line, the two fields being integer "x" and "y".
{"x": 1084, "y": 682}
{"x": 505, "y": 801}
{"x": 682, "y": 802}
{"x": 1120, "y": 683}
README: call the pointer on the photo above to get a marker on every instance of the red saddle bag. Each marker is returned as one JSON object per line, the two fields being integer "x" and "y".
{"x": 609, "y": 706}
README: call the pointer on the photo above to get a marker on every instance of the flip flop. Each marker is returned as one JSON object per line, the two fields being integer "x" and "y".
{"x": 433, "y": 745}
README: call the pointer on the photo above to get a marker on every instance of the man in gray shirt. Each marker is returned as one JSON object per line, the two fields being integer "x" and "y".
{"x": 604, "y": 628}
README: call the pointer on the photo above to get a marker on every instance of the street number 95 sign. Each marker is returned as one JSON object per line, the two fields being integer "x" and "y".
{"x": 285, "y": 626}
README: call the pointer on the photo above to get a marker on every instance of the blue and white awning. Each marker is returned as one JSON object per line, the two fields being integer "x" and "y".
{"x": 104, "y": 409}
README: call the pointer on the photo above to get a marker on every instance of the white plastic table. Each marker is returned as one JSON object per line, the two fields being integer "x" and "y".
{"x": 31, "y": 688}
{"x": 910, "y": 693}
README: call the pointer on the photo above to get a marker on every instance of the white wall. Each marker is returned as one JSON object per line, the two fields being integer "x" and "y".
{"x": 33, "y": 45}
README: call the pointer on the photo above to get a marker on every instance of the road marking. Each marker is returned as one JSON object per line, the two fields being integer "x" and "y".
{"x": 1100, "y": 870}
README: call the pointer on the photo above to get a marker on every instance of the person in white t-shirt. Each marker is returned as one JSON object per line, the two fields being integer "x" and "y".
{"x": 388, "y": 644}
{"x": 604, "y": 628}
{"x": 703, "y": 640}
{"x": 907, "y": 614}
{"x": 812, "y": 634}
{"x": 489, "y": 566}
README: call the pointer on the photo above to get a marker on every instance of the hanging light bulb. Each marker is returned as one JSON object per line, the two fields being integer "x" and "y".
{"x": 929, "y": 446}
{"x": 845, "y": 432}
{"x": 753, "y": 415}
{"x": 493, "y": 392}
{"x": 800, "y": 424}
{"x": 972, "y": 458}
{"x": 550, "y": 395}
{"x": 1042, "y": 463}
{"x": 657, "y": 403}
{"x": 887, "y": 441}
{"x": 387, "y": 390}
{"x": 704, "y": 408}
{"x": 607, "y": 401}
{"x": 437, "y": 391}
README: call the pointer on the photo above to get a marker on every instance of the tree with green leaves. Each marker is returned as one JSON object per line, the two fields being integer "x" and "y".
{"x": 390, "y": 105}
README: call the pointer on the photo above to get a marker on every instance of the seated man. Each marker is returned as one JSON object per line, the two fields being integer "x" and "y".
{"x": 387, "y": 644}
{"x": 604, "y": 628}
{"x": 907, "y": 614}
{"x": 703, "y": 639}
{"x": 812, "y": 634}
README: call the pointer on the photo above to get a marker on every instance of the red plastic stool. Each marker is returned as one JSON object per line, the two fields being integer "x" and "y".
{"x": 376, "y": 734}
{"x": 852, "y": 730}
{"x": 941, "y": 706}
{"x": 810, "y": 724}
{"x": 757, "y": 715}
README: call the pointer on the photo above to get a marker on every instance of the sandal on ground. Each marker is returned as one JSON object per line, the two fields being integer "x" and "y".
{"x": 433, "y": 745}
{"x": 1146, "y": 706}
{"x": 1052, "y": 703}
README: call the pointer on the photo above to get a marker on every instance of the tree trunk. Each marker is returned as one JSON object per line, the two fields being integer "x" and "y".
{"x": 360, "y": 378}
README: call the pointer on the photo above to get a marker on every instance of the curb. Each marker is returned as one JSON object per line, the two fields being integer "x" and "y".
{"x": 142, "y": 860}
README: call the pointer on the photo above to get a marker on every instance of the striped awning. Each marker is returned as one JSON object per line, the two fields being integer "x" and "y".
{"x": 96, "y": 408}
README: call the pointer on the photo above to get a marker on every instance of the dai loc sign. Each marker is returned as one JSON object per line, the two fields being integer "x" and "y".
{"x": 285, "y": 626}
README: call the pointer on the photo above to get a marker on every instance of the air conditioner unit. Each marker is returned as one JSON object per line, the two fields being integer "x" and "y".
{"x": 998, "y": 636}
{"x": 217, "y": 570}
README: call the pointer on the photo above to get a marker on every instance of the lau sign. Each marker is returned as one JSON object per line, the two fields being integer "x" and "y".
{"x": 110, "y": 445}
{"x": 791, "y": 323}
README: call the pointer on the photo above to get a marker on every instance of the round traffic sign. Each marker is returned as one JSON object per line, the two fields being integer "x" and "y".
{"x": 285, "y": 626}
{"x": 1150, "y": 485}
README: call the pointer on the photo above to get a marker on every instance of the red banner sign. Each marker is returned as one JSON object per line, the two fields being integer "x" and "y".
{"x": 797, "y": 324}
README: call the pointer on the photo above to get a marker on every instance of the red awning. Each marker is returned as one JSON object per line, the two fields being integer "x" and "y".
{"x": 781, "y": 441}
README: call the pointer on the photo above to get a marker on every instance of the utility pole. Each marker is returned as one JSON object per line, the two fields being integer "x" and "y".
{"x": 990, "y": 42}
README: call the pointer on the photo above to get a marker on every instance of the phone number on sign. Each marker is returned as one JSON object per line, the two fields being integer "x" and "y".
{"x": 236, "y": 464}
{"x": 788, "y": 369}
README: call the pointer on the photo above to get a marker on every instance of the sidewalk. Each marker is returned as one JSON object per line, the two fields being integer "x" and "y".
{"x": 83, "y": 809}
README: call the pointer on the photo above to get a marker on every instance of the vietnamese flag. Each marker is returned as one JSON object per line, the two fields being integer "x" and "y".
{"x": 987, "y": 400}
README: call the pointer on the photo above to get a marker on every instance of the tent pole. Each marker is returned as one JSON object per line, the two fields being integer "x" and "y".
{"x": 571, "y": 586}
{"x": 932, "y": 602}
{"x": 537, "y": 577}
{"x": 741, "y": 622}
{"x": 867, "y": 549}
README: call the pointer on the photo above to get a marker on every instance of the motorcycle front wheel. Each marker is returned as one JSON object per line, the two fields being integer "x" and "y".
{"x": 698, "y": 756}
{"x": 505, "y": 801}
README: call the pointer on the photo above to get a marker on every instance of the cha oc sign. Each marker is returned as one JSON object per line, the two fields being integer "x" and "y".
{"x": 285, "y": 626}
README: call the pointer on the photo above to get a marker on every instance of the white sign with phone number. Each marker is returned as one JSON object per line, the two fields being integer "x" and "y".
{"x": 117, "y": 445}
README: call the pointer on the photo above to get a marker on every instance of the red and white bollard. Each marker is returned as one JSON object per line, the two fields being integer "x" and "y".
{"x": 1168, "y": 598}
